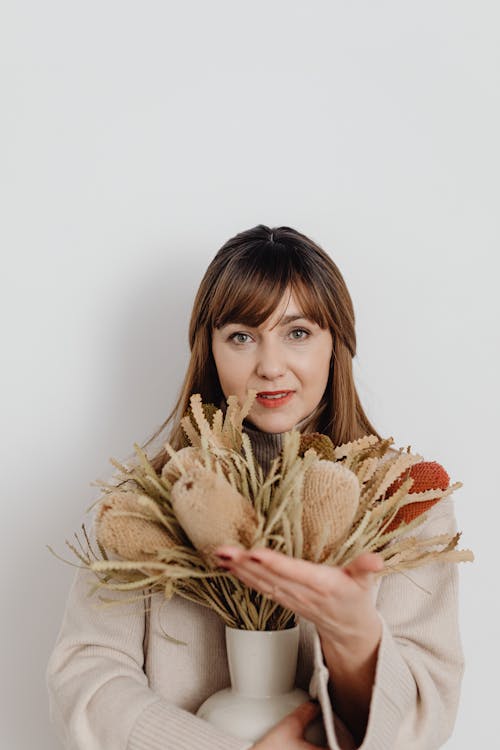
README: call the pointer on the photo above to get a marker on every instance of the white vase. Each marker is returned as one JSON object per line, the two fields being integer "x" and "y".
{"x": 262, "y": 667}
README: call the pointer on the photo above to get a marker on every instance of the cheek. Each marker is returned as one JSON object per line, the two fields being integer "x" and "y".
{"x": 316, "y": 367}
{"x": 232, "y": 370}
{"x": 221, "y": 364}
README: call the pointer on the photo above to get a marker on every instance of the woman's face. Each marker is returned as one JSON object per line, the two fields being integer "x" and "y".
{"x": 293, "y": 357}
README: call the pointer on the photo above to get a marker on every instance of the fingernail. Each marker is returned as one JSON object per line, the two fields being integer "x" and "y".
{"x": 223, "y": 567}
{"x": 224, "y": 556}
{"x": 255, "y": 559}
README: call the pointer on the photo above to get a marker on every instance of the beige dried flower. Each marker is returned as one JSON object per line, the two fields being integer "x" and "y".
{"x": 212, "y": 512}
{"x": 330, "y": 499}
{"x": 125, "y": 526}
{"x": 183, "y": 460}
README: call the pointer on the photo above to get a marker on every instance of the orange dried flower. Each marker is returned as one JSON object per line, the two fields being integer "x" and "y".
{"x": 426, "y": 475}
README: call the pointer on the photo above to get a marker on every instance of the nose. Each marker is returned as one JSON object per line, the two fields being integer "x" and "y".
{"x": 271, "y": 362}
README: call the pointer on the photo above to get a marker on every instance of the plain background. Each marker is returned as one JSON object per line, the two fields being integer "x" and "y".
{"x": 136, "y": 139}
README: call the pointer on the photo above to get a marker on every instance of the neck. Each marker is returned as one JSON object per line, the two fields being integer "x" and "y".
{"x": 300, "y": 426}
{"x": 267, "y": 445}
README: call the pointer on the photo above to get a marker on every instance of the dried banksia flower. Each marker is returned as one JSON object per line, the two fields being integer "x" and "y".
{"x": 426, "y": 475}
{"x": 212, "y": 512}
{"x": 124, "y": 526}
{"x": 330, "y": 498}
{"x": 184, "y": 459}
{"x": 321, "y": 444}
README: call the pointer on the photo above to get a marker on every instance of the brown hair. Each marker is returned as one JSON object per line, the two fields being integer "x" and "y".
{"x": 245, "y": 282}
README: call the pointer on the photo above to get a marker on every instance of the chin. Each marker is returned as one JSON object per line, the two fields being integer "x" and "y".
{"x": 276, "y": 423}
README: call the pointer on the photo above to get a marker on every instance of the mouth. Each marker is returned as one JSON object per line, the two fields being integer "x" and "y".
{"x": 272, "y": 399}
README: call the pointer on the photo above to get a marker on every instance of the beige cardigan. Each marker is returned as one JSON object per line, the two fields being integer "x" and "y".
{"x": 116, "y": 683}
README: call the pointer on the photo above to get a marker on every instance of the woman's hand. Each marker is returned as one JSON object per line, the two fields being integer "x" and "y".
{"x": 339, "y": 602}
{"x": 289, "y": 732}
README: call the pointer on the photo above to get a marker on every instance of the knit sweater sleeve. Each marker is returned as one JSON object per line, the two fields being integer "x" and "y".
{"x": 98, "y": 691}
{"x": 420, "y": 661}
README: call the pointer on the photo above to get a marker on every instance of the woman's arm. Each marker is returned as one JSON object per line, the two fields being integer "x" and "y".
{"x": 99, "y": 693}
{"x": 419, "y": 661}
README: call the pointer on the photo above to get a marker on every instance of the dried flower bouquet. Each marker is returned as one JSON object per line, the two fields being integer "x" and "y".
{"x": 318, "y": 502}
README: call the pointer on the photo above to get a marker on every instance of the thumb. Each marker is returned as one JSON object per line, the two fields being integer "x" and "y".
{"x": 363, "y": 568}
{"x": 301, "y": 716}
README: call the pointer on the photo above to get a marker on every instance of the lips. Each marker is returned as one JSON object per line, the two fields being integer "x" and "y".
{"x": 274, "y": 399}
{"x": 271, "y": 393}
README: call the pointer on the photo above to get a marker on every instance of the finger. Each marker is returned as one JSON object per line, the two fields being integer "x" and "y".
{"x": 252, "y": 575}
{"x": 272, "y": 586}
{"x": 264, "y": 577}
{"x": 364, "y": 567}
{"x": 300, "y": 717}
{"x": 320, "y": 578}
{"x": 299, "y": 599}
{"x": 256, "y": 575}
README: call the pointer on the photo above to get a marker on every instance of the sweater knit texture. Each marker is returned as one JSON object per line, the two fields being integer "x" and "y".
{"x": 116, "y": 682}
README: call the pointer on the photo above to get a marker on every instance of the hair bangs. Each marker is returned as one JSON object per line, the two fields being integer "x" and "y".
{"x": 309, "y": 301}
{"x": 250, "y": 292}
{"x": 250, "y": 287}
{"x": 250, "y": 305}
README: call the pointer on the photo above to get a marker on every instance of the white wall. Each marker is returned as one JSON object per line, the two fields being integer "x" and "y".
{"x": 136, "y": 139}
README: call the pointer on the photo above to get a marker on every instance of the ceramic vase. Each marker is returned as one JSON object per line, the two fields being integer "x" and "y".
{"x": 262, "y": 668}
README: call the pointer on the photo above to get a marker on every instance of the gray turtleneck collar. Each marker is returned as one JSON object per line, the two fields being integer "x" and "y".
{"x": 267, "y": 445}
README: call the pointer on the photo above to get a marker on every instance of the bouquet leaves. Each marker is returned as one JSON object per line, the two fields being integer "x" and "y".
{"x": 319, "y": 502}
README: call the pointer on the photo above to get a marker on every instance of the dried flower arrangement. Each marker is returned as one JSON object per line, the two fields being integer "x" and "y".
{"x": 319, "y": 502}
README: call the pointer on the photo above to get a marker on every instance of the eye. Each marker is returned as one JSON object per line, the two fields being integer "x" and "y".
{"x": 233, "y": 336}
{"x": 300, "y": 330}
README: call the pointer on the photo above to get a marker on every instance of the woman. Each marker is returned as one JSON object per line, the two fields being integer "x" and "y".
{"x": 385, "y": 662}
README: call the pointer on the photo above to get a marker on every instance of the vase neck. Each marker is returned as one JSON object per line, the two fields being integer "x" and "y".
{"x": 262, "y": 662}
